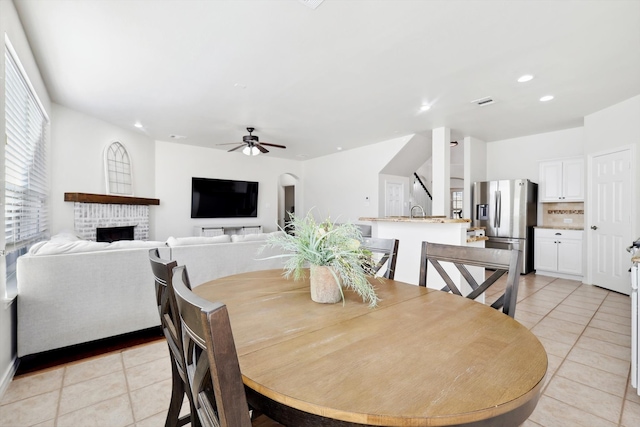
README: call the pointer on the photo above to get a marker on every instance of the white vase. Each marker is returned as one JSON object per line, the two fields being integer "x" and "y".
{"x": 324, "y": 288}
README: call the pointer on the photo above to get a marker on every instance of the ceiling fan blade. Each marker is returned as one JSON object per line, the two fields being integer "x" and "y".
{"x": 237, "y": 148}
{"x": 273, "y": 145}
{"x": 261, "y": 148}
{"x": 231, "y": 143}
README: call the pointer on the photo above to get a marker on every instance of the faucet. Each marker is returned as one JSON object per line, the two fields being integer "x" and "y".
{"x": 416, "y": 206}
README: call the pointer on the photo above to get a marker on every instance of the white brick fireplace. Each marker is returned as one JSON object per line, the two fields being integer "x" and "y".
{"x": 92, "y": 211}
{"x": 87, "y": 217}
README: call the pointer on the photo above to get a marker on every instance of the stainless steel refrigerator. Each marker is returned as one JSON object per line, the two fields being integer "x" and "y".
{"x": 508, "y": 210}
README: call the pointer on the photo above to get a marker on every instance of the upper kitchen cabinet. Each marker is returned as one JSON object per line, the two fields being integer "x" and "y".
{"x": 562, "y": 180}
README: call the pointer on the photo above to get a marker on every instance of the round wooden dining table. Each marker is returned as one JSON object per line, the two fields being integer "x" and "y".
{"x": 423, "y": 357}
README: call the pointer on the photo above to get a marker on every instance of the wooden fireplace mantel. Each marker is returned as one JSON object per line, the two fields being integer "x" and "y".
{"x": 108, "y": 199}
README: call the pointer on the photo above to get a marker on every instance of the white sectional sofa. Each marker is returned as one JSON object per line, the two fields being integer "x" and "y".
{"x": 73, "y": 291}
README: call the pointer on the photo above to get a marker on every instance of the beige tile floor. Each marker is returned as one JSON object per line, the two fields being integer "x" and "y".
{"x": 585, "y": 330}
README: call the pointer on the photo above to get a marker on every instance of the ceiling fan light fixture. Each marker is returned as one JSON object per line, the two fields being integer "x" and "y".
{"x": 250, "y": 151}
{"x": 251, "y": 145}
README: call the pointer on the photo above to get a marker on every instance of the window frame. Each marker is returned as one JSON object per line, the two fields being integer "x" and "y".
{"x": 25, "y": 168}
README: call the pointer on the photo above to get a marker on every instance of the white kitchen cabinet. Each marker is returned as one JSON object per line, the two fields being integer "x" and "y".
{"x": 558, "y": 253}
{"x": 562, "y": 181}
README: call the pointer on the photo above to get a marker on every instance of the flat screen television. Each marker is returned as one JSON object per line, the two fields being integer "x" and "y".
{"x": 223, "y": 198}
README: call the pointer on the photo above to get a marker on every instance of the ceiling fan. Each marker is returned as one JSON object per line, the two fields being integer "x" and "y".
{"x": 252, "y": 145}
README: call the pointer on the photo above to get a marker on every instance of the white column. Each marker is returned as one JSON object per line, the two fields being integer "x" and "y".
{"x": 475, "y": 169}
{"x": 441, "y": 162}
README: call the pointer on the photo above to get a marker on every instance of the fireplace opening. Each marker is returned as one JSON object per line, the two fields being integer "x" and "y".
{"x": 113, "y": 234}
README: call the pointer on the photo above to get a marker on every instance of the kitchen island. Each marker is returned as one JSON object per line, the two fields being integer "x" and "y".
{"x": 411, "y": 232}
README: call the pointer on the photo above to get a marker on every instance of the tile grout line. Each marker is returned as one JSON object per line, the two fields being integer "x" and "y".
{"x": 572, "y": 347}
{"x": 624, "y": 400}
{"x": 126, "y": 380}
{"x": 55, "y": 416}
{"x": 542, "y": 393}
{"x": 544, "y": 389}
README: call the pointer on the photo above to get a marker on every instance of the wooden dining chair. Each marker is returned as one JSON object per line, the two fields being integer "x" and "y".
{"x": 386, "y": 250}
{"x": 501, "y": 260}
{"x": 211, "y": 360}
{"x": 172, "y": 328}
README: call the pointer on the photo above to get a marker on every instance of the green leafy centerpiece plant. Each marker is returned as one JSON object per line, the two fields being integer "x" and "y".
{"x": 334, "y": 255}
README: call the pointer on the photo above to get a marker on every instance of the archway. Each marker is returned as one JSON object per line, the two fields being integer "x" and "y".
{"x": 289, "y": 199}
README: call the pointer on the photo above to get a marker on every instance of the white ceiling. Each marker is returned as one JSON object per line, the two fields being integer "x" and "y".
{"x": 347, "y": 74}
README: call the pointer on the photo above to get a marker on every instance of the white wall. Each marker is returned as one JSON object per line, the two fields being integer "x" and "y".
{"x": 11, "y": 27}
{"x": 475, "y": 169}
{"x": 338, "y": 185}
{"x": 416, "y": 149}
{"x": 176, "y": 164}
{"x": 613, "y": 127}
{"x": 78, "y": 143}
{"x": 517, "y": 158}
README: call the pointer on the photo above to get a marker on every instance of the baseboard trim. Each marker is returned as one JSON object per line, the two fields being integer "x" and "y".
{"x": 48, "y": 359}
{"x": 559, "y": 275}
{"x": 8, "y": 376}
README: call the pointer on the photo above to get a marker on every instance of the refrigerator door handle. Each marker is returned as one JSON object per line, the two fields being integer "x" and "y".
{"x": 497, "y": 211}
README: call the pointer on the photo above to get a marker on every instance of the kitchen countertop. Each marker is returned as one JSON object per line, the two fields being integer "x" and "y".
{"x": 560, "y": 227}
{"x": 427, "y": 219}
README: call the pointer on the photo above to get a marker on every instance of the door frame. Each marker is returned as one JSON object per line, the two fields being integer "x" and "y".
{"x": 285, "y": 180}
{"x": 589, "y": 246}
{"x": 401, "y": 184}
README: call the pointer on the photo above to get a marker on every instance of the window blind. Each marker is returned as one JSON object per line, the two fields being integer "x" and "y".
{"x": 26, "y": 207}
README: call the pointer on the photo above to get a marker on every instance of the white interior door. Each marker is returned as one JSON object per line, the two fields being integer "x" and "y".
{"x": 394, "y": 198}
{"x": 609, "y": 228}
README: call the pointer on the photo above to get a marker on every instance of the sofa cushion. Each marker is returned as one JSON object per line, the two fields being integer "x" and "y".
{"x": 57, "y": 246}
{"x": 135, "y": 244}
{"x": 253, "y": 237}
{"x": 198, "y": 240}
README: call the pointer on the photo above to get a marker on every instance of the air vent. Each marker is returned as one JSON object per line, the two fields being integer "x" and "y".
{"x": 483, "y": 101}
{"x": 313, "y": 4}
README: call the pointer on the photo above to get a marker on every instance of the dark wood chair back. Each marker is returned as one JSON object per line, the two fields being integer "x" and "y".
{"x": 387, "y": 249}
{"x": 501, "y": 260}
{"x": 170, "y": 322}
{"x": 211, "y": 358}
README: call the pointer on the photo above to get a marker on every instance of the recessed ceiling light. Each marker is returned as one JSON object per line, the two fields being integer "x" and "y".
{"x": 313, "y": 4}
{"x": 525, "y": 78}
{"x": 425, "y": 107}
{"x": 546, "y": 98}
{"x": 138, "y": 125}
{"x": 339, "y": 148}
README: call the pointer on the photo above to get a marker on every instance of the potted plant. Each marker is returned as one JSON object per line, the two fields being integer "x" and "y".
{"x": 334, "y": 255}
